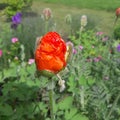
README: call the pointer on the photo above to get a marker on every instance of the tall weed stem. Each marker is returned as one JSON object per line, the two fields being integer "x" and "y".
{"x": 51, "y": 100}
{"x": 112, "y": 108}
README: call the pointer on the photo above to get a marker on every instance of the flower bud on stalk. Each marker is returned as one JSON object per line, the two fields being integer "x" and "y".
{"x": 50, "y": 54}
{"x": 117, "y": 12}
{"x": 68, "y": 19}
{"x": 83, "y": 22}
{"x": 117, "y": 15}
{"x": 16, "y": 20}
{"x": 50, "y": 58}
{"x": 47, "y": 13}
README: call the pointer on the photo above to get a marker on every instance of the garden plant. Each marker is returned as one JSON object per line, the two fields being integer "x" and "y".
{"x": 46, "y": 74}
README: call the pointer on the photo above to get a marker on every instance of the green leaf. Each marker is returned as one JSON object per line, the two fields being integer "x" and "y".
{"x": 12, "y": 71}
{"x": 79, "y": 117}
{"x": 70, "y": 113}
{"x": 47, "y": 119}
{"x": 91, "y": 81}
{"x": 66, "y": 103}
{"x": 6, "y": 109}
{"x": 72, "y": 84}
{"x": 82, "y": 80}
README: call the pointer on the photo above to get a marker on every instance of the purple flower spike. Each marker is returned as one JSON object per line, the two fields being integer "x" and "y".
{"x": 118, "y": 48}
{"x": 16, "y": 19}
{"x": 14, "y": 26}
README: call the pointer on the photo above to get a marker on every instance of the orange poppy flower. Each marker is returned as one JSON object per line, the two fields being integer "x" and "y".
{"x": 50, "y": 53}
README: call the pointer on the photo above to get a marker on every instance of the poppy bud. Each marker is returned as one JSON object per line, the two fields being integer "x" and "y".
{"x": 83, "y": 20}
{"x": 68, "y": 19}
{"x": 50, "y": 54}
{"x": 117, "y": 12}
{"x": 47, "y": 13}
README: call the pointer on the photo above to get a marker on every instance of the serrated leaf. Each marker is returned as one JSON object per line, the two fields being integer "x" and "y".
{"x": 91, "y": 81}
{"x": 10, "y": 72}
{"x": 66, "y": 103}
{"x": 82, "y": 81}
{"x": 72, "y": 84}
{"x": 79, "y": 117}
{"x": 70, "y": 113}
{"x": 6, "y": 109}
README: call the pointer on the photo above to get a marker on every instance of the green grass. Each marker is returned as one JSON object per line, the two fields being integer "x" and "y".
{"x": 102, "y": 12}
{"x": 90, "y": 4}
{"x": 104, "y": 19}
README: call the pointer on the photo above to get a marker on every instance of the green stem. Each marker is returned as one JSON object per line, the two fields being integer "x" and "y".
{"x": 46, "y": 26}
{"x": 114, "y": 104}
{"x": 82, "y": 96}
{"x": 51, "y": 102}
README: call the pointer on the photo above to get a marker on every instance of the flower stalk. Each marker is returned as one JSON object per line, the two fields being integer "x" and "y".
{"x": 82, "y": 97}
{"x": 51, "y": 99}
{"x": 113, "y": 107}
{"x": 46, "y": 26}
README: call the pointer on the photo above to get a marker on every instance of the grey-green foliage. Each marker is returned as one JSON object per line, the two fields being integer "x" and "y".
{"x": 105, "y": 92}
{"x": 79, "y": 80}
{"x": 95, "y": 84}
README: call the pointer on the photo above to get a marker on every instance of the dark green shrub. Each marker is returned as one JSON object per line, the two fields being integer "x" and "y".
{"x": 16, "y": 6}
{"x": 117, "y": 32}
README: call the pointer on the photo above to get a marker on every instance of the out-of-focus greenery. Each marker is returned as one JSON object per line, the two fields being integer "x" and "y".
{"x": 117, "y": 32}
{"x": 91, "y": 4}
{"x": 10, "y": 7}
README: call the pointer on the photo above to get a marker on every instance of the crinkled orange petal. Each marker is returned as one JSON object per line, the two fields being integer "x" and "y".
{"x": 50, "y": 53}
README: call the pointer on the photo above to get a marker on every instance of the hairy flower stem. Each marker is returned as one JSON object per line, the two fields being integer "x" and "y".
{"x": 112, "y": 109}
{"x": 46, "y": 26}
{"x": 51, "y": 102}
{"x": 82, "y": 97}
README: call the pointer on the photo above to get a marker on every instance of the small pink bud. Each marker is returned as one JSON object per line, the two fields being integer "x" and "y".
{"x": 47, "y": 13}
{"x": 15, "y": 58}
{"x": 31, "y": 61}
{"x": 99, "y": 33}
{"x": 96, "y": 59}
{"x": 80, "y": 47}
{"x": 0, "y": 53}
{"x": 74, "y": 51}
{"x": 14, "y": 40}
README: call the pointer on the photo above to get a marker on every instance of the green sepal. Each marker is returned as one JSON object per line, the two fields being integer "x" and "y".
{"x": 45, "y": 73}
{"x": 68, "y": 53}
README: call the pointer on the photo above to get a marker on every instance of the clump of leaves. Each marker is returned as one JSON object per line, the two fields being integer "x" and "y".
{"x": 15, "y": 6}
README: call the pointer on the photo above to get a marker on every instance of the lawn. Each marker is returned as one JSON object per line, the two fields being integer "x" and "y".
{"x": 103, "y": 19}
{"x": 90, "y": 4}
